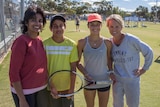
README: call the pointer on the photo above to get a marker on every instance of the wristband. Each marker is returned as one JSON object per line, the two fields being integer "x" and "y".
{"x": 111, "y": 71}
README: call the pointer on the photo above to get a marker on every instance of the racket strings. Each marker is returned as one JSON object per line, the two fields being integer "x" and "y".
{"x": 59, "y": 77}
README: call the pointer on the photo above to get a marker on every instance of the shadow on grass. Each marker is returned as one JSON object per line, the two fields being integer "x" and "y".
{"x": 157, "y": 59}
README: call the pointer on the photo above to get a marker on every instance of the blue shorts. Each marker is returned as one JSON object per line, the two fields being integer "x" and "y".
{"x": 99, "y": 89}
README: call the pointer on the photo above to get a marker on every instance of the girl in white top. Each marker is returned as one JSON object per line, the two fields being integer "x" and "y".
{"x": 97, "y": 61}
{"x": 126, "y": 57}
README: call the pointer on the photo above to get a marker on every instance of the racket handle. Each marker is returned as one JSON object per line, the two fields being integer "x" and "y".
{"x": 65, "y": 95}
{"x": 103, "y": 82}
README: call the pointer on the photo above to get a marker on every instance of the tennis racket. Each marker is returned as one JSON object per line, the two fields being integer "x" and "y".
{"x": 59, "y": 77}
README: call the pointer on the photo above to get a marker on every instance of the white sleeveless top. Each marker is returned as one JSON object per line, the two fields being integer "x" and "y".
{"x": 95, "y": 63}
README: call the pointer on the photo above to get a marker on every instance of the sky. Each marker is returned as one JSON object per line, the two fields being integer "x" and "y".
{"x": 129, "y": 5}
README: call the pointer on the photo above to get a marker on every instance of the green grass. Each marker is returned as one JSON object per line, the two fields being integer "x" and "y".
{"x": 150, "y": 88}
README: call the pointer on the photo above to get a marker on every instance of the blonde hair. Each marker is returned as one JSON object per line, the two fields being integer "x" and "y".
{"x": 115, "y": 17}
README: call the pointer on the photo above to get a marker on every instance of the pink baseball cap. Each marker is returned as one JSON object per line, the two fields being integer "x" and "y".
{"x": 94, "y": 17}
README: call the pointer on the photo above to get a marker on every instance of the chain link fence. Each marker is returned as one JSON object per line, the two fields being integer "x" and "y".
{"x": 10, "y": 16}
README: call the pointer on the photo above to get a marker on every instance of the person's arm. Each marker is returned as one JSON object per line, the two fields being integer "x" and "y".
{"x": 80, "y": 46}
{"x": 147, "y": 53}
{"x": 53, "y": 90}
{"x": 16, "y": 62}
{"x": 22, "y": 101}
{"x": 109, "y": 60}
{"x": 73, "y": 63}
{"x": 148, "y": 58}
{"x": 73, "y": 76}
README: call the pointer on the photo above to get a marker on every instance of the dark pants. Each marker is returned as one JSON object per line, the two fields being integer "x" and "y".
{"x": 60, "y": 102}
{"x": 38, "y": 99}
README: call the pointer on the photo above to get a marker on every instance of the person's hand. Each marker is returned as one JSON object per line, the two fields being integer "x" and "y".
{"x": 69, "y": 92}
{"x": 139, "y": 72}
{"x": 113, "y": 78}
{"x": 88, "y": 77}
{"x": 54, "y": 93}
{"x": 23, "y": 103}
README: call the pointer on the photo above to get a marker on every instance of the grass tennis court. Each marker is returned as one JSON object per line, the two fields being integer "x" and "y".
{"x": 150, "y": 87}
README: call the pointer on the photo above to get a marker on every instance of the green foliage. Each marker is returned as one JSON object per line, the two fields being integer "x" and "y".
{"x": 102, "y": 7}
{"x": 150, "y": 88}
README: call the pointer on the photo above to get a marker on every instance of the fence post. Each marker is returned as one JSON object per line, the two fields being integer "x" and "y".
{"x": 22, "y": 9}
{"x": 2, "y": 24}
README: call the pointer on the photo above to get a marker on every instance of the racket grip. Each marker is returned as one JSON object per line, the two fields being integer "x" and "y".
{"x": 65, "y": 95}
{"x": 104, "y": 82}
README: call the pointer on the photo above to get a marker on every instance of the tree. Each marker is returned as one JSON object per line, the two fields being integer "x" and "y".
{"x": 80, "y": 7}
{"x": 155, "y": 13}
{"x": 103, "y": 7}
{"x": 142, "y": 11}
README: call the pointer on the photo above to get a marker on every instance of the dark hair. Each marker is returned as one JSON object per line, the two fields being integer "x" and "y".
{"x": 57, "y": 17}
{"x": 29, "y": 14}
